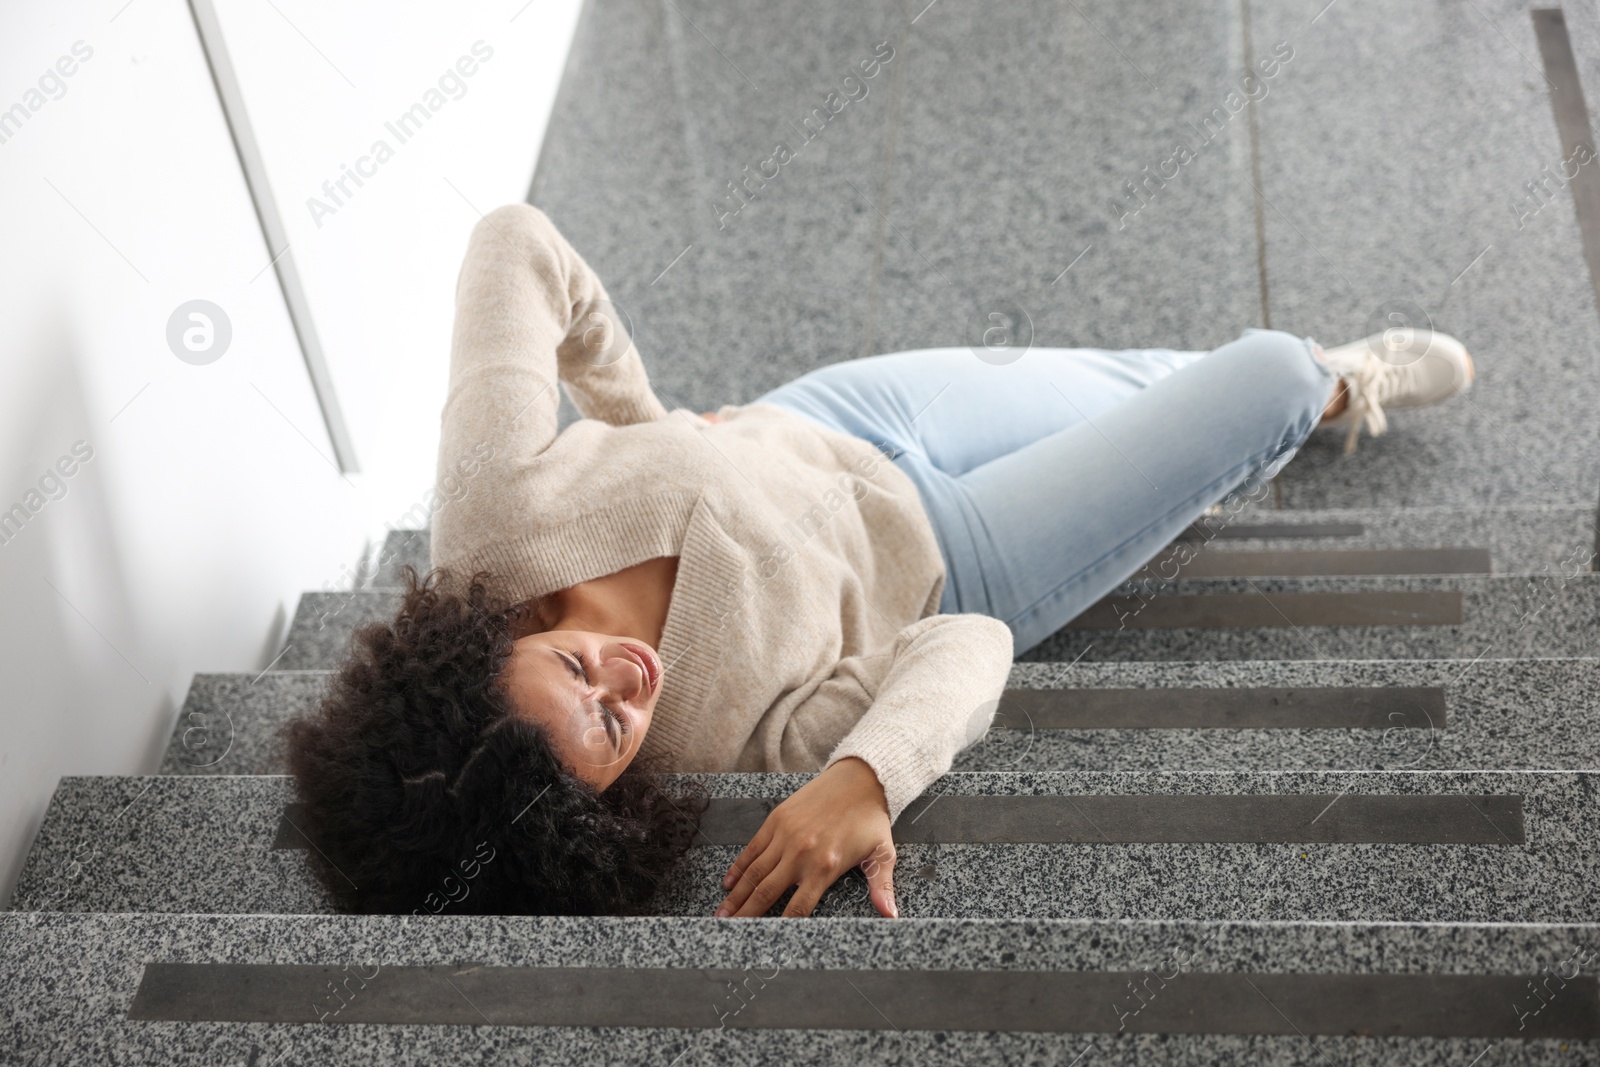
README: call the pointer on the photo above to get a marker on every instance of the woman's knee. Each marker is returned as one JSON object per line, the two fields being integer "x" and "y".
{"x": 1283, "y": 364}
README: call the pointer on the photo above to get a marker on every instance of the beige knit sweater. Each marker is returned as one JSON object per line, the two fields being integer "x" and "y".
{"x": 801, "y": 628}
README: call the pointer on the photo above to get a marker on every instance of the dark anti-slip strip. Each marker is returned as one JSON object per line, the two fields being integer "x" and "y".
{"x": 1577, "y": 165}
{"x": 1299, "y": 563}
{"x": 1348, "y": 708}
{"x": 1572, "y": 124}
{"x": 1432, "y": 607}
{"x": 1243, "y": 531}
{"x": 1166, "y": 999}
{"x": 1170, "y": 818}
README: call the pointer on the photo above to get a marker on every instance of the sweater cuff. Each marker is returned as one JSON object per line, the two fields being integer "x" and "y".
{"x": 902, "y": 768}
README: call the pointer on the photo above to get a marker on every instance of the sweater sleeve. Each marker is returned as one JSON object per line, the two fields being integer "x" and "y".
{"x": 937, "y": 694}
{"x": 529, "y": 312}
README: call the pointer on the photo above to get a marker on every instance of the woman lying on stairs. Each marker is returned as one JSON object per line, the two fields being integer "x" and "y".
{"x": 833, "y": 578}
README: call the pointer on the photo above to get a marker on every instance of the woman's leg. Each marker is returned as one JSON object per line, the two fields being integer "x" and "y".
{"x": 957, "y": 412}
{"x": 1049, "y": 486}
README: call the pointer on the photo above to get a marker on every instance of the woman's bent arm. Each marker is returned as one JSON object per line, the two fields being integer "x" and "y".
{"x": 529, "y": 310}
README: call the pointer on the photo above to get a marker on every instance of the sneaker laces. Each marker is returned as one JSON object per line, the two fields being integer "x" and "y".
{"x": 1373, "y": 384}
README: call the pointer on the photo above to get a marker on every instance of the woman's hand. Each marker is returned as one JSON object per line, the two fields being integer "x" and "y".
{"x": 835, "y": 821}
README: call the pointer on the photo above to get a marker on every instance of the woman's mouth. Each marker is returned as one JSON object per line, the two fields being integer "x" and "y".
{"x": 650, "y": 662}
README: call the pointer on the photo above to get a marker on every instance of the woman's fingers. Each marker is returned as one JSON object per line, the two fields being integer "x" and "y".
{"x": 771, "y": 875}
{"x": 835, "y": 821}
{"x": 767, "y": 893}
{"x": 879, "y": 869}
{"x": 751, "y": 868}
{"x": 757, "y": 845}
{"x": 752, "y": 875}
{"x": 804, "y": 901}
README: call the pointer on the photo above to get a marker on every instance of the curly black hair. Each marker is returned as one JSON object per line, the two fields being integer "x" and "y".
{"x": 422, "y": 792}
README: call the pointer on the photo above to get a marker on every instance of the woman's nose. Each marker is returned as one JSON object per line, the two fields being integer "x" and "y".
{"x": 623, "y": 675}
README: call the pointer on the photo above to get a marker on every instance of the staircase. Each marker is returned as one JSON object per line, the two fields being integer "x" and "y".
{"x": 1327, "y": 793}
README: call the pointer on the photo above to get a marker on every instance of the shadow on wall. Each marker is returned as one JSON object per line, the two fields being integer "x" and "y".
{"x": 82, "y": 694}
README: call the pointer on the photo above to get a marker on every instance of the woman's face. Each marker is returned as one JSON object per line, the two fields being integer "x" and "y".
{"x": 592, "y": 693}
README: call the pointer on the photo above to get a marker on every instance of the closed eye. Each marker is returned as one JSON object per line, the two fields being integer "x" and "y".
{"x": 616, "y": 727}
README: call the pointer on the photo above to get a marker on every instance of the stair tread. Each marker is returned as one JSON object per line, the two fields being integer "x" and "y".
{"x": 108, "y": 954}
{"x": 204, "y": 844}
{"x": 1501, "y": 714}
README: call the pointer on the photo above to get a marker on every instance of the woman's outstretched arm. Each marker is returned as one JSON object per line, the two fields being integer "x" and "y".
{"x": 932, "y": 695}
{"x": 902, "y": 714}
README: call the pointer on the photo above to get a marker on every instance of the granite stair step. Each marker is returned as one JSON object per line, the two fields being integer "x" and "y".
{"x": 1519, "y": 540}
{"x": 270, "y": 989}
{"x": 1266, "y": 542}
{"x": 319, "y": 633}
{"x": 1536, "y": 714}
{"x": 1459, "y": 616}
{"x": 1402, "y": 846}
{"x": 400, "y": 548}
{"x": 1351, "y": 617}
{"x": 1314, "y": 715}
{"x": 229, "y": 722}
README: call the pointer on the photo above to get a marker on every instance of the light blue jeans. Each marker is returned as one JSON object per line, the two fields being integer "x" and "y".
{"x": 1051, "y": 479}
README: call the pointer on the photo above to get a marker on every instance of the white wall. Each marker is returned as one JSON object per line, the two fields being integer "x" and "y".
{"x": 210, "y": 498}
{"x": 381, "y": 269}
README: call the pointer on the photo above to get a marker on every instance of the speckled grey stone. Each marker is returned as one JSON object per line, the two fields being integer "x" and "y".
{"x": 67, "y": 981}
{"x": 196, "y": 839}
{"x": 203, "y": 844}
{"x": 1020, "y": 129}
{"x": 1520, "y": 540}
{"x": 229, "y": 722}
{"x": 660, "y": 108}
{"x": 319, "y": 635}
{"x": 1503, "y": 715}
{"x": 1510, "y": 616}
{"x": 401, "y": 548}
{"x": 1392, "y": 151}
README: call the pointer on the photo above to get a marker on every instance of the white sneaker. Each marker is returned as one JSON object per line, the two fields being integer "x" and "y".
{"x": 1399, "y": 368}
